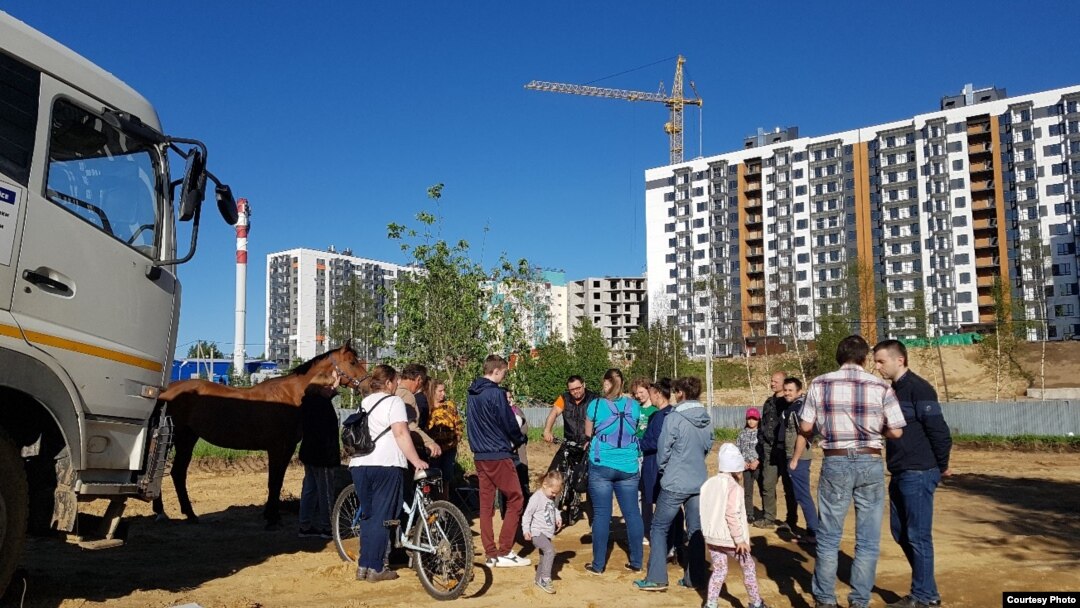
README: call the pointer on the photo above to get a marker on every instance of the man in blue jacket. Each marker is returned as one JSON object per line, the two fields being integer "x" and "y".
{"x": 494, "y": 436}
{"x": 917, "y": 461}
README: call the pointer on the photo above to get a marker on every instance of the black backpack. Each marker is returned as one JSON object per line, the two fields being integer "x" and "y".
{"x": 356, "y": 436}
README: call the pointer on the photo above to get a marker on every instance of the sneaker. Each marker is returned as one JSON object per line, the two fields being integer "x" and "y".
{"x": 512, "y": 560}
{"x": 910, "y": 602}
{"x": 492, "y": 562}
{"x": 361, "y": 573}
{"x": 647, "y": 585}
{"x": 765, "y": 524}
{"x": 386, "y": 575}
{"x": 645, "y": 542}
{"x": 631, "y": 568}
{"x": 710, "y": 605}
{"x": 546, "y": 586}
{"x": 591, "y": 569}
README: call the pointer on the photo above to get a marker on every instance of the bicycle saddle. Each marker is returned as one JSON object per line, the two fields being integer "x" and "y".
{"x": 431, "y": 473}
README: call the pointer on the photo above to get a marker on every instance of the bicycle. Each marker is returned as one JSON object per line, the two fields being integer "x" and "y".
{"x": 436, "y": 536}
{"x": 575, "y": 470}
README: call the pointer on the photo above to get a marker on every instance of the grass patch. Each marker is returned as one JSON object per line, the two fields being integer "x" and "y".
{"x": 207, "y": 451}
{"x": 1024, "y": 443}
{"x": 721, "y": 434}
{"x": 537, "y": 434}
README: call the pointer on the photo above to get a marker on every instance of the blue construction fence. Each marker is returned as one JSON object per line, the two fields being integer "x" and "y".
{"x": 1001, "y": 418}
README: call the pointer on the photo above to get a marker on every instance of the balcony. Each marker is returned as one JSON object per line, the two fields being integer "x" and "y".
{"x": 984, "y": 224}
{"x": 985, "y": 281}
{"x": 986, "y": 301}
{"x": 753, "y": 219}
{"x": 986, "y": 243}
{"x": 981, "y": 262}
{"x": 982, "y": 167}
{"x": 978, "y": 128}
{"x": 755, "y": 286}
{"x": 754, "y": 235}
{"x": 980, "y": 185}
{"x": 754, "y": 252}
{"x": 756, "y": 303}
{"x": 980, "y": 148}
{"x": 755, "y": 268}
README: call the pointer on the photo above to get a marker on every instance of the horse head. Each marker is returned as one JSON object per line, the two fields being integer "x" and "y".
{"x": 348, "y": 365}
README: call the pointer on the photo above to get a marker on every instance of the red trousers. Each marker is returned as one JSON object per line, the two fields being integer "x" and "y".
{"x": 502, "y": 476}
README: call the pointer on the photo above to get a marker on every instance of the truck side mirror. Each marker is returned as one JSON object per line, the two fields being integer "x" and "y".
{"x": 193, "y": 186}
{"x": 226, "y": 204}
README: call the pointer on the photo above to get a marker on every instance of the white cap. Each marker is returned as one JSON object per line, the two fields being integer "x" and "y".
{"x": 730, "y": 459}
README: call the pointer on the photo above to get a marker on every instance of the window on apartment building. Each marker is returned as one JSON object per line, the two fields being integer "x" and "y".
{"x": 1066, "y": 248}
{"x": 1059, "y": 229}
{"x": 800, "y": 190}
{"x": 1053, "y": 189}
{"x": 669, "y": 227}
{"x": 1052, "y": 150}
{"x": 959, "y": 221}
{"x": 1061, "y": 270}
{"x": 1062, "y": 208}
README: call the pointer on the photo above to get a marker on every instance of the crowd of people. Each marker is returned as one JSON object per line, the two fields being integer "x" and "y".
{"x": 647, "y": 449}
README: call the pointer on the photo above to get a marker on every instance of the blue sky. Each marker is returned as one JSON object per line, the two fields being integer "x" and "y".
{"x": 333, "y": 118}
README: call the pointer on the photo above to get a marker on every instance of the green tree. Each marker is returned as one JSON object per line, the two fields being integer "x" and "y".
{"x": 656, "y": 347}
{"x": 542, "y": 375}
{"x": 450, "y": 312}
{"x": 355, "y": 316}
{"x": 590, "y": 354}
{"x": 832, "y": 328}
{"x": 203, "y": 349}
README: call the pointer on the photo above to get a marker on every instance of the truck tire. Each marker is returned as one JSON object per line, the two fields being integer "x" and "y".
{"x": 14, "y": 506}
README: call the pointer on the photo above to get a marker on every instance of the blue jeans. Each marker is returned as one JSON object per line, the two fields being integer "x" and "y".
{"x": 858, "y": 477}
{"x": 603, "y": 482}
{"x": 379, "y": 492}
{"x": 315, "y": 498}
{"x": 668, "y": 506}
{"x": 911, "y": 511}
{"x": 800, "y": 482}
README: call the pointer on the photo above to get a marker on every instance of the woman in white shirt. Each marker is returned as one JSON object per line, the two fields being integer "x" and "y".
{"x": 378, "y": 476}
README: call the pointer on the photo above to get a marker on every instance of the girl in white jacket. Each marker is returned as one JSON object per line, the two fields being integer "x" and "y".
{"x": 723, "y": 523}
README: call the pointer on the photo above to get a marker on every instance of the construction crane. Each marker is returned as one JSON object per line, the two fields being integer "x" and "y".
{"x": 675, "y": 102}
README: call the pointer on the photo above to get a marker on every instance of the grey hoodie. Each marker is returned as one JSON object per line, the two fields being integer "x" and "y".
{"x": 684, "y": 443}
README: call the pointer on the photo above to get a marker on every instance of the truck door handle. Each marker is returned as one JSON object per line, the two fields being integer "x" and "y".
{"x": 43, "y": 280}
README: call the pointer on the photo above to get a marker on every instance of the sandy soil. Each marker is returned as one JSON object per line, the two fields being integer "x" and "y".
{"x": 1005, "y": 521}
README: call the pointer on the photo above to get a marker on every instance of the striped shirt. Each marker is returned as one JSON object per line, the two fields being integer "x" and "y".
{"x": 851, "y": 408}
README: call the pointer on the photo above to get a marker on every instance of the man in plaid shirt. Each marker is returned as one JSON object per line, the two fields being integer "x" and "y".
{"x": 852, "y": 410}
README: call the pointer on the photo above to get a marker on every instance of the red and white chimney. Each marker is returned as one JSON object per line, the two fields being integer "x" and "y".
{"x": 242, "y": 226}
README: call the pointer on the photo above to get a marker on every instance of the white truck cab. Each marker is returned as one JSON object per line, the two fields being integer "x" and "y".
{"x": 89, "y": 300}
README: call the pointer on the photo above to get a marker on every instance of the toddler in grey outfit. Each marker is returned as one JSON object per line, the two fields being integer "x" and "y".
{"x": 540, "y": 522}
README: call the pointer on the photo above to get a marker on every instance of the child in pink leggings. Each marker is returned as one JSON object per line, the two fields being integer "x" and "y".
{"x": 723, "y": 524}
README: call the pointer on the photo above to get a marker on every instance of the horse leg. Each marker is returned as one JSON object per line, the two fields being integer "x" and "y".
{"x": 279, "y": 461}
{"x": 185, "y": 440}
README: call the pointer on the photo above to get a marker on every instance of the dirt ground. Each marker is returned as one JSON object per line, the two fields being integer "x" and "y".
{"x": 1004, "y": 521}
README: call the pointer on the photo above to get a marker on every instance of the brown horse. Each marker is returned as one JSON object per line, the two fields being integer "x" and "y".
{"x": 263, "y": 417}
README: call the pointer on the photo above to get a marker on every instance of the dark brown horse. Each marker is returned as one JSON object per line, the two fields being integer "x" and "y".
{"x": 263, "y": 417}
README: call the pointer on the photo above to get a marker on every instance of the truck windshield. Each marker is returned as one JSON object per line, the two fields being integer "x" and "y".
{"x": 105, "y": 177}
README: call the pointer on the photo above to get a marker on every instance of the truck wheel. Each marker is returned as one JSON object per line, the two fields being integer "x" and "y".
{"x": 13, "y": 509}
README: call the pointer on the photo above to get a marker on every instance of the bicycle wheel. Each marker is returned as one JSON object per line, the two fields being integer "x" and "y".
{"x": 345, "y": 524}
{"x": 447, "y": 570}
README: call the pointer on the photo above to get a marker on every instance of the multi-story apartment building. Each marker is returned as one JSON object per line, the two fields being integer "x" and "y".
{"x": 302, "y": 286}
{"x": 928, "y": 225}
{"x": 616, "y": 305}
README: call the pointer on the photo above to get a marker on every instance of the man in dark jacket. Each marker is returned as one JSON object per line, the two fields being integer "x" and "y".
{"x": 494, "y": 436}
{"x": 771, "y": 448}
{"x": 321, "y": 454}
{"x": 917, "y": 461}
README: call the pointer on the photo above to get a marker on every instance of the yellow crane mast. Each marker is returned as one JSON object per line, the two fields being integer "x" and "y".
{"x": 675, "y": 102}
